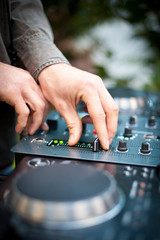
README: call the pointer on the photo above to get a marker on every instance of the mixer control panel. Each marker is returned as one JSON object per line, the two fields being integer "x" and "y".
{"x": 137, "y": 141}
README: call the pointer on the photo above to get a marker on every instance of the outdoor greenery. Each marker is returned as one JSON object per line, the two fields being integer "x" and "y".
{"x": 72, "y": 18}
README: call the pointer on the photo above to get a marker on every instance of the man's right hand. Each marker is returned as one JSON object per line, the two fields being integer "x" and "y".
{"x": 19, "y": 89}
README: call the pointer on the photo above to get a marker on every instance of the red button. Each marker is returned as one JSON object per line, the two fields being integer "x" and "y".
{"x": 94, "y": 132}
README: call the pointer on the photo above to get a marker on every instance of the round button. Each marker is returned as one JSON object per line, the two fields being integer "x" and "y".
{"x": 128, "y": 168}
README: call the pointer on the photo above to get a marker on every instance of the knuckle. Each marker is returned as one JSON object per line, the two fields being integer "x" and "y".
{"x": 71, "y": 125}
{"x": 89, "y": 86}
{"x": 25, "y": 113}
{"x": 100, "y": 116}
{"x": 41, "y": 106}
{"x": 115, "y": 108}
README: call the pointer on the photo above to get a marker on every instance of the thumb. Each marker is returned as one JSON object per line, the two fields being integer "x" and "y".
{"x": 74, "y": 126}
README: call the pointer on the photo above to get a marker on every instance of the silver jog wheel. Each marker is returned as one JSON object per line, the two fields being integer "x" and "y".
{"x": 72, "y": 196}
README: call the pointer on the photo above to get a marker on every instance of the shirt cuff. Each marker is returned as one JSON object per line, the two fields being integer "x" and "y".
{"x": 37, "y": 51}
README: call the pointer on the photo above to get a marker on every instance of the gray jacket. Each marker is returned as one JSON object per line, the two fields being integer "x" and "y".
{"x": 30, "y": 33}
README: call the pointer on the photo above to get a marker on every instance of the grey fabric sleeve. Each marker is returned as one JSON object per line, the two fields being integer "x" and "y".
{"x": 32, "y": 36}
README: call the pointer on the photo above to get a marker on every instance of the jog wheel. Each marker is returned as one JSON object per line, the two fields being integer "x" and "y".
{"x": 65, "y": 197}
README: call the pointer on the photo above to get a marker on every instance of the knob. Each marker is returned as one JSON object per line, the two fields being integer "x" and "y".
{"x": 145, "y": 148}
{"x": 53, "y": 124}
{"x": 96, "y": 145}
{"x": 132, "y": 120}
{"x": 152, "y": 121}
{"x": 122, "y": 146}
{"x": 127, "y": 132}
{"x": 83, "y": 128}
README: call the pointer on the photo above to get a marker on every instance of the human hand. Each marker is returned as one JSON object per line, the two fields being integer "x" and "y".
{"x": 64, "y": 86}
{"x": 19, "y": 89}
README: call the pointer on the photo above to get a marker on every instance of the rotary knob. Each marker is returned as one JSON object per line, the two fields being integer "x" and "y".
{"x": 132, "y": 120}
{"x": 145, "y": 148}
{"x": 127, "y": 132}
{"x": 122, "y": 146}
{"x": 152, "y": 121}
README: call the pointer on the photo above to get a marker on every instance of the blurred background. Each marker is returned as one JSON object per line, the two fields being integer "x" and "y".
{"x": 119, "y": 40}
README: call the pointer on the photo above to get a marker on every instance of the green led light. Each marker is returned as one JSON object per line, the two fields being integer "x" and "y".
{"x": 55, "y": 141}
{"x": 61, "y": 142}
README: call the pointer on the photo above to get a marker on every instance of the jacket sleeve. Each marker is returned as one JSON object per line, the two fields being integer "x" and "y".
{"x": 32, "y": 36}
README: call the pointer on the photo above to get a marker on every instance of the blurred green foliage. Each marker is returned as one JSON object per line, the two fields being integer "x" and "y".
{"x": 72, "y": 18}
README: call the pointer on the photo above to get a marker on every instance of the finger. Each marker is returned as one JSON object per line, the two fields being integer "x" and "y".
{"x": 97, "y": 114}
{"x": 40, "y": 107}
{"x": 111, "y": 109}
{"x": 73, "y": 122}
{"x": 44, "y": 126}
{"x": 23, "y": 113}
{"x": 37, "y": 118}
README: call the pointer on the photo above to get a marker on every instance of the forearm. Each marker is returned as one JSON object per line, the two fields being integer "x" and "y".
{"x": 32, "y": 36}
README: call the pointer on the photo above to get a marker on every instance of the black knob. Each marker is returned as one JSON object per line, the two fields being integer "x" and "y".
{"x": 132, "y": 120}
{"x": 96, "y": 145}
{"x": 145, "y": 148}
{"x": 127, "y": 132}
{"x": 152, "y": 121}
{"x": 83, "y": 128}
{"x": 53, "y": 124}
{"x": 158, "y": 171}
{"x": 122, "y": 146}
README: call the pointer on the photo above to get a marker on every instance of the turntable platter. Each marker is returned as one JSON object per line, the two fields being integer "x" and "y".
{"x": 66, "y": 196}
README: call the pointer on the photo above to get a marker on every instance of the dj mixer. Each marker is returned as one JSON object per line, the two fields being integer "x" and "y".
{"x": 83, "y": 192}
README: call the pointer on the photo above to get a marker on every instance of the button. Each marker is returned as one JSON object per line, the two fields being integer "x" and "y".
{"x": 127, "y": 132}
{"x": 145, "y": 148}
{"x": 141, "y": 192}
{"x": 128, "y": 168}
{"x": 39, "y": 140}
{"x": 145, "y": 169}
{"x": 149, "y": 136}
{"x": 38, "y": 162}
{"x": 127, "y": 173}
{"x": 94, "y": 132}
{"x": 144, "y": 175}
{"x": 151, "y": 121}
{"x": 142, "y": 185}
{"x": 96, "y": 145}
{"x": 132, "y": 120}
{"x": 50, "y": 142}
{"x": 122, "y": 146}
